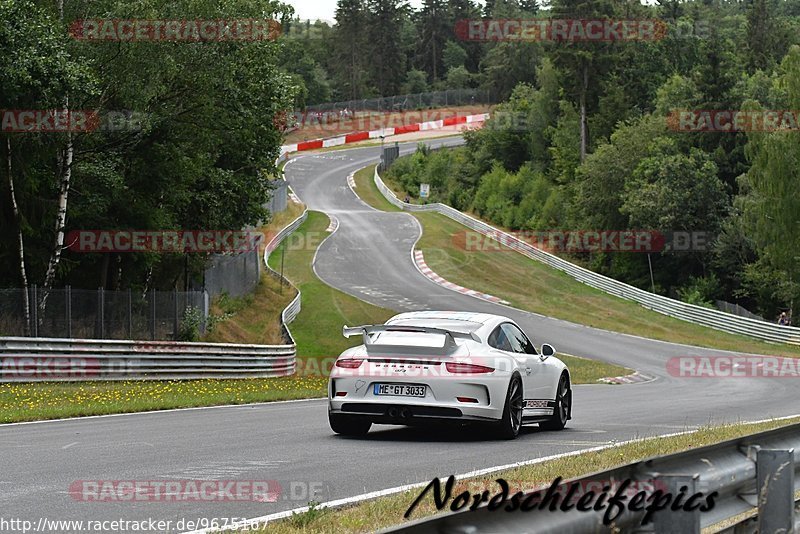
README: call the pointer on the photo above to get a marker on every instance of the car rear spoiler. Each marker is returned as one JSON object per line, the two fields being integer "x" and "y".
{"x": 449, "y": 338}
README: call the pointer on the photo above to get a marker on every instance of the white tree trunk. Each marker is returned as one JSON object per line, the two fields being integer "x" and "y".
{"x": 20, "y": 243}
{"x": 61, "y": 215}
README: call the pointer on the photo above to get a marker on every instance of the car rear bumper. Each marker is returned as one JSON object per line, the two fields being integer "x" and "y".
{"x": 462, "y": 398}
{"x": 399, "y": 413}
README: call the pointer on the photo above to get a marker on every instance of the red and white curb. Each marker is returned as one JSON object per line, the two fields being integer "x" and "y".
{"x": 419, "y": 259}
{"x": 356, "y": 137}
{"x": 635, "y": 378}
{"x": 334, "y": 225}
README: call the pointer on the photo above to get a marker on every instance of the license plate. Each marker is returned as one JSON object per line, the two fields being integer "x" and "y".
{"x": 400, "y": 390}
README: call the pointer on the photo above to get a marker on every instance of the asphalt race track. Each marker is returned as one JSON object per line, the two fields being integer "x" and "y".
{"x": 369, "y": 256}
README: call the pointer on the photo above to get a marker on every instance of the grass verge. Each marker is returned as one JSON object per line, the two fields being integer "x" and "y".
{"x": 57, "y": 400}
{"x": 501, "y": 272}
{"x": 383, "y": 512}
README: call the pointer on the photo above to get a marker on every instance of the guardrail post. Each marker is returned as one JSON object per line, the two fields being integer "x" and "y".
{"x": 68, "y": 297}
{"x": 775, "y": 490}
{"x": 130, "y": 314}
{"x": 101, "y": 314}
{"x": 152, "y": 315}
{"x": 175, "y": 321}
{"x": 34, "y": 312}
{"x": 668, "y": 522}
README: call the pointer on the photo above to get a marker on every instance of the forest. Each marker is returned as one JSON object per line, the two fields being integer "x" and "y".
{"x": 584, "y": 136}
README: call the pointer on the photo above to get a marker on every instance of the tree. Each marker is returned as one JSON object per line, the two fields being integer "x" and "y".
{"x": 433, "y": 34}
{"x": 348, "y": 46}
{"x": 384, "y": 30}
{"x": 508, "y": 64}
{"x": 761, "y": 35}
{"x": 416, "y": 82}
{"x": 677, "y": 93}
{"x": 601, "y": 178}
{"x": 458, "y": 78}
{"x": 297, "y": 60}
{"x": 772, "y": 204}
{"x": 672, "y": 191}
{"x": 583, "y": 63}
{"x": 454, "y": 55}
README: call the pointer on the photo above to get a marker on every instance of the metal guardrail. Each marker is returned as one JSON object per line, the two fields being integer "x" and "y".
{"x": 753, "y": 474}
{"x": 44, "y": 359}
{"x": 293, "y": 309}
{"x": 692, "y": 313}
{"x": 25, "y": 359}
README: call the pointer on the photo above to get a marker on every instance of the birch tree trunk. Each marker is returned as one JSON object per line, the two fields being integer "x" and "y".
{"x": 20, "y": 243}
{"x": 65, "y": 176}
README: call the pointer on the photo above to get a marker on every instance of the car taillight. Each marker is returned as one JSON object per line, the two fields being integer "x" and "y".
{"x": 466, "y": 368}
{"x": 349, "y": 363}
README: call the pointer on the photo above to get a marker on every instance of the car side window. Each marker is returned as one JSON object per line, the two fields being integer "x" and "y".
{"x": 518, "y": 339}
{"x": 499, "y": 340}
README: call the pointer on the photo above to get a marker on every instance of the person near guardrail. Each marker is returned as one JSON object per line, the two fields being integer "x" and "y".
{"x": 783, "y": 319}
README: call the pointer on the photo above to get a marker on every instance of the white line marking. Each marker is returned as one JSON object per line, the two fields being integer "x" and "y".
{"x": 65, "y": 447}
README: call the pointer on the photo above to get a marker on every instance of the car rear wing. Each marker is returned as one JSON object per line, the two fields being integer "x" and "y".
{"x": 448, "y": 347}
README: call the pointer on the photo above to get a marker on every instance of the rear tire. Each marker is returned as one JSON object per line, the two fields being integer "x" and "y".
{"x": 563, "y": 409}
{"x": 348, "y": 425}
{"x": 509, "y": 426}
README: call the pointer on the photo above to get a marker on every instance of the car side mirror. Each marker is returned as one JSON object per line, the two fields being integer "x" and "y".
{"x": 547, "y": 351}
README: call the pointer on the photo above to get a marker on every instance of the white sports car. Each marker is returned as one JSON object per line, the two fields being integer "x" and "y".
{"x": 447, "y": 366}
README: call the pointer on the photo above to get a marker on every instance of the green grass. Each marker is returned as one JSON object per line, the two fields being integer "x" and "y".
{"x": 586, "y": 371}
{"x": 368, "y": 191}
{"x": 56, "y": 400}
{"x": 383, "y": 512}
{"x": 502, "y": 272}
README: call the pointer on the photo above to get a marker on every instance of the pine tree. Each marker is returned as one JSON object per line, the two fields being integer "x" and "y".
{"x": 388, "y": 62}
{"x": 434, "y": 31}
{"x": 760, "y": 36}
{"x": 583, "y": 63}
{"x": 349, "y": 45}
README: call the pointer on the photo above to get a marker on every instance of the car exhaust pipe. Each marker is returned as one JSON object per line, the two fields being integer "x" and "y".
{"x": 394, "y": 412}
{"x": 405, "y": 413}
